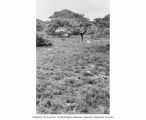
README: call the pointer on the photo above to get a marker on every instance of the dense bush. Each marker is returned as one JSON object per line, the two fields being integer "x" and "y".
{"x": 41, "y": 40}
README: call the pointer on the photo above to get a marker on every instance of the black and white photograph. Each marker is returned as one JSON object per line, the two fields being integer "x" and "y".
{"x": 72, "y": 57}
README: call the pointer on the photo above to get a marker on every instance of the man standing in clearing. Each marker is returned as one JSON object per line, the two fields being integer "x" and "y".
{"x": 82, "y": 31}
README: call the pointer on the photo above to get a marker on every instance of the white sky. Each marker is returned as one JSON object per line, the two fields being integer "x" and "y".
{"x": 90, "y": 8}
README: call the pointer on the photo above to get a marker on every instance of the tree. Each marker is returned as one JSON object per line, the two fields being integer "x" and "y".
{"x": 68, "y": 19}
{"x": 97, "y": 21}
{"x": 102, "y": 22}
{"x": 66, "y": 14}
{"x": 101, "y": 27}
{"x": 107, "y": 18}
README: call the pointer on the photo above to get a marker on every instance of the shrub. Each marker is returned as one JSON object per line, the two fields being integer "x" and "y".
{"x": 41, "y": 40}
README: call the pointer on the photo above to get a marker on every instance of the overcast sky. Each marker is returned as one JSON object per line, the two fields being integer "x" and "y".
{"x": 90, "y": 8}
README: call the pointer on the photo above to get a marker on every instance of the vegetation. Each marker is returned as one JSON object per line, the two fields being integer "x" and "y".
{"x": 40, "y": 25}
{"x": 67, "y": 19}
{"x": 42, "y": 40}
{"x": 72, "y": 76}
{"x": 99, "y": 28}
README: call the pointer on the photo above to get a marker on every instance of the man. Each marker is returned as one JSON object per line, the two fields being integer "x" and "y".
{"x": 82, "y": 31}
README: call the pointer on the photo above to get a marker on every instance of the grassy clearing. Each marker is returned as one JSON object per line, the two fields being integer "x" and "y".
{"x": 73, "y": 77}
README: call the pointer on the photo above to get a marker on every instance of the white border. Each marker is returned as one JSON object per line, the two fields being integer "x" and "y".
{"x": 17, "y": 65}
